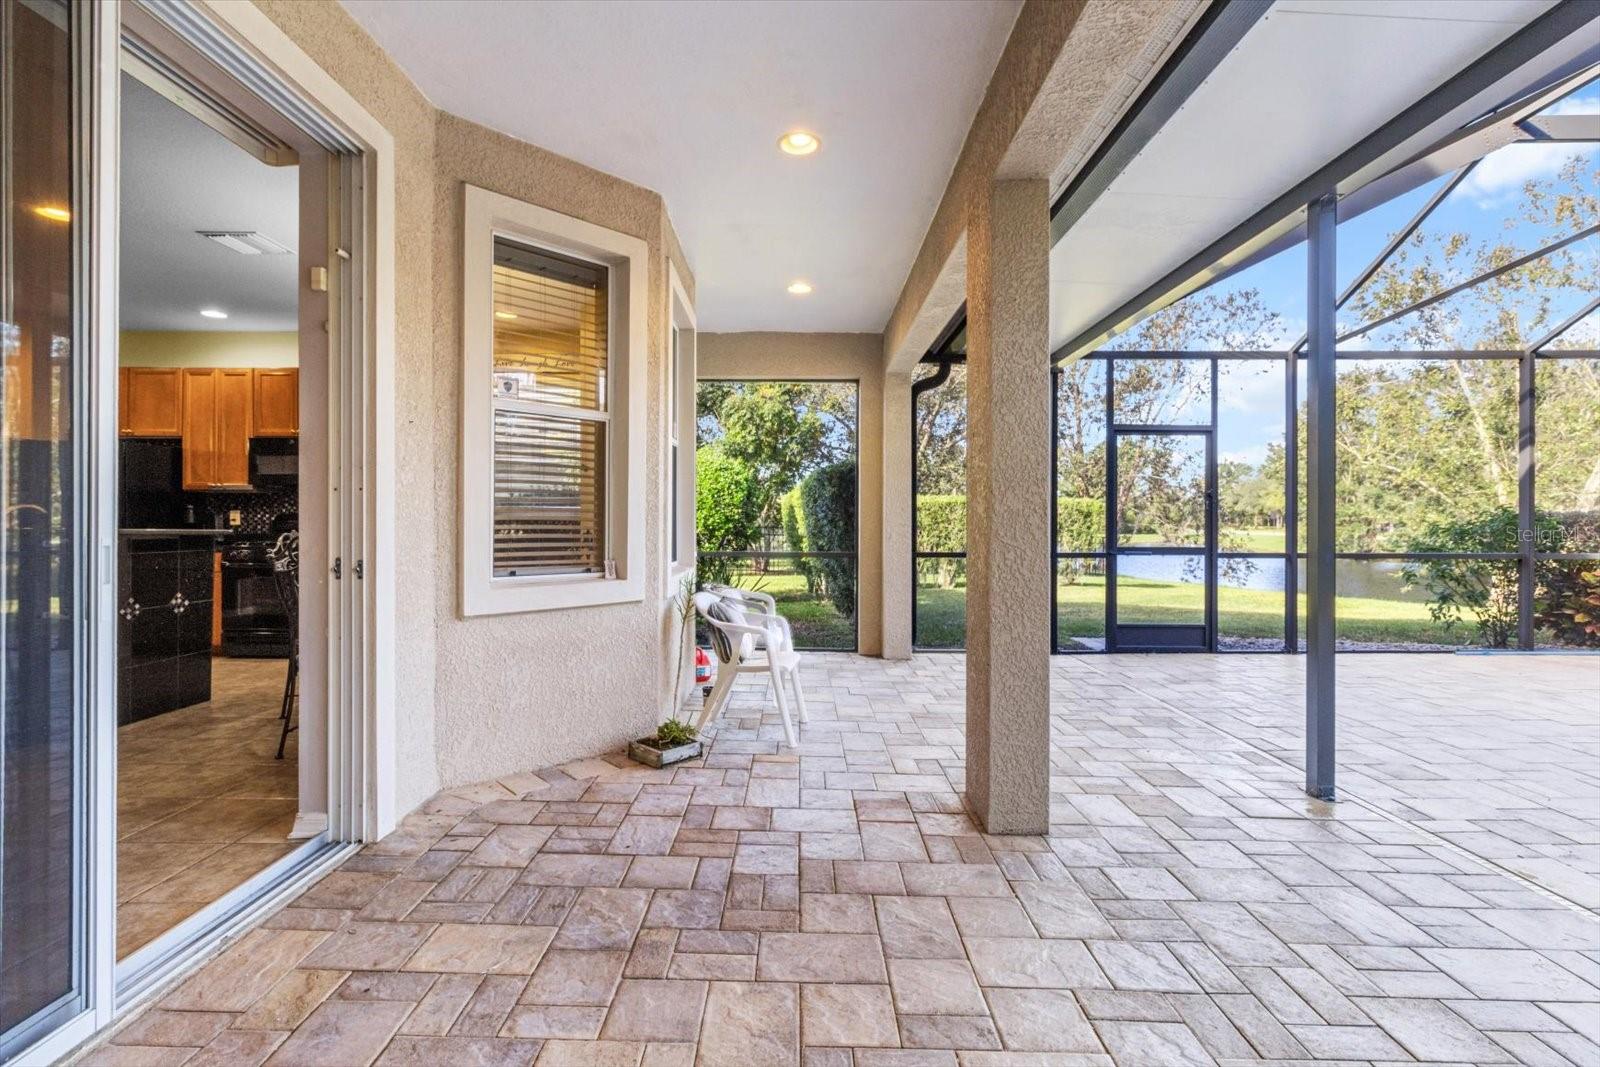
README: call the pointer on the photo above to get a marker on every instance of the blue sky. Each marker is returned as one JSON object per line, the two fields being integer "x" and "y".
{"x": 1251, "y": 398}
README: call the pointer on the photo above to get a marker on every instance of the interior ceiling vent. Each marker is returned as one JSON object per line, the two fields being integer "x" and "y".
{"x": 246, "y": 242}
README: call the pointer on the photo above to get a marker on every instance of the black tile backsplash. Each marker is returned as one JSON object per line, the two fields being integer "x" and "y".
{"x": 153, "y": 497}
{"x": 256, "y": 510}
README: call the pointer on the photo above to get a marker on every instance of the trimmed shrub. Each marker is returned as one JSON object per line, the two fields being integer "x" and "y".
{"x": 726, "y": 510}
{"x": 828, "y": 504}
{"x": 942, "y": 527}
{"x": 793, "y": 515}
{"x": 1080, "y": 523}
{"x": 942, "y": 523}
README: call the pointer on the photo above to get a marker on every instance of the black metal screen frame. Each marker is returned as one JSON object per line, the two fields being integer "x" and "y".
{"x": 1291, "y": 557}
{"x": 855, "y": 454}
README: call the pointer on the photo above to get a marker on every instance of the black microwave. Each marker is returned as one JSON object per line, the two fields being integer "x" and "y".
{"x": 274, "y": 462}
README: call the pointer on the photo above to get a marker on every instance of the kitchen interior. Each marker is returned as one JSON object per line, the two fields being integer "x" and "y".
{"x": 207, "y": 753}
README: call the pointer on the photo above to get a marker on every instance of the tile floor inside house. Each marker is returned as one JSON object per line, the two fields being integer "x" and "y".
{"x": 202, "y": 804}
{"x": 835, "y": 907}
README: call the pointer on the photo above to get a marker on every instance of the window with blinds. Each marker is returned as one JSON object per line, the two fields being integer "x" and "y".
{"x": 551, "y": 360}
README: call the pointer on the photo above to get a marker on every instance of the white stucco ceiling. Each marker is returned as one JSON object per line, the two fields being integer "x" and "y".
{"x": 689, "y": 99}
{"x": 1310, "y": 79}
{"x": 180, "y": 176}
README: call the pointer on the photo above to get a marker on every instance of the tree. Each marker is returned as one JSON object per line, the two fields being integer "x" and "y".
{"x": 1420, "y": 437}
{"x": 725, "y": 497}
{"x": 780, "y": 430}
{"x": 939, "y": 435}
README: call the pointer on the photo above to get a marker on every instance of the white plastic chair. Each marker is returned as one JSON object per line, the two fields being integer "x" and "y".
{"x": 752, "y": 600}
{"x": 762, "y": 601}
{"x": 748, "y": 641}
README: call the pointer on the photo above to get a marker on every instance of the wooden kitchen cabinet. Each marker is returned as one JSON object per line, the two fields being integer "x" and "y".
{"x": 151, "y": 401}
{"x": 277, "y": 402}
{"x": 217, "y": 406}
{"x": 216, "y": 599}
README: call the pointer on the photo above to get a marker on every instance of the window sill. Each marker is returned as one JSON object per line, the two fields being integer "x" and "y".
{"x": 507, "y": 596}
{"x": 676, "y": 573}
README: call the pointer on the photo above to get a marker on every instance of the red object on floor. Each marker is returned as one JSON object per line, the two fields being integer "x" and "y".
{"x": 702, "y": 667}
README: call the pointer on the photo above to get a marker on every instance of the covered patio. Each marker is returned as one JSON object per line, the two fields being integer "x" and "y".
{"x": 836, "y": 906}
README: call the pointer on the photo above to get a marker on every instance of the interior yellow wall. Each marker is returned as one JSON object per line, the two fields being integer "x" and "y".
{"x": 207, "y": 348}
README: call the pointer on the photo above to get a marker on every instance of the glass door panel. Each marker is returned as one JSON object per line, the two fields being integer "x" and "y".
{"x": 1162, "y": 596}
{"x": 1166, "y": 590}
{"x": 1161, "y": 490}
{"x": 41, "y": 540}
{"x": 1161, "y": 391}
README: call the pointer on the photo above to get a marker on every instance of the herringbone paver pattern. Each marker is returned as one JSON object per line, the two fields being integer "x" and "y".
{"x": 836, "y": 908}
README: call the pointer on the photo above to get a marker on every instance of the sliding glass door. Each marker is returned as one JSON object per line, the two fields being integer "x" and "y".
{"x": 43, "y": 713}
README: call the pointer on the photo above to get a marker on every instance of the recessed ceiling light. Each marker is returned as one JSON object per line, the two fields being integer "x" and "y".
{"x": 505, "y": 315}
{"x": 213, "y": 313}
{"x": 799, "y": 143}
{"x": 800, "y": 287}
{"x": 53, "y": 213}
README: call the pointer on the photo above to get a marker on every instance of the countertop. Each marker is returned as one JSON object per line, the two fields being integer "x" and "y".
{"x": 188, "y": 531}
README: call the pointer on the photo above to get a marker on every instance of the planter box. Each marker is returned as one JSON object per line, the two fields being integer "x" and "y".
{"x": 644, "y": 750}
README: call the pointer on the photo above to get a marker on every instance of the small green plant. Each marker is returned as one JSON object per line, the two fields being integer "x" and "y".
{"x": 676, "y": 731}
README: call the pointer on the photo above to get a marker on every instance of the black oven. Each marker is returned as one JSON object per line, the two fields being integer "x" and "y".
{"x": 254, "y": 623}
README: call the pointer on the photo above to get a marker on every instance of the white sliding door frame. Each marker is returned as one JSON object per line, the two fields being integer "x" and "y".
{"x": 360, "y": 478}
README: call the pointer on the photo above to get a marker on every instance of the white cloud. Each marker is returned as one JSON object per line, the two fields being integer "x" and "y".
{"x": 1575, "y": 105}
{"x": 1251, "y": 386}
{"x": 1254, "y": 455}
{"x": 1506, "y": 170}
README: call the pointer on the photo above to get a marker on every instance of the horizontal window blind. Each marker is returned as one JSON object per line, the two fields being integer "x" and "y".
{"x": 550, "y": 417}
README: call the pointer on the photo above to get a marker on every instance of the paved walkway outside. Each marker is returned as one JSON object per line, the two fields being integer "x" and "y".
{"x": 837, "y": 908}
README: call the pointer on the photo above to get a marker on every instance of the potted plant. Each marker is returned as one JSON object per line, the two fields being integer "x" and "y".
{"x": 675, "y": 740}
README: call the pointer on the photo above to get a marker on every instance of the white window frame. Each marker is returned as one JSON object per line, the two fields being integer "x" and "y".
{"x": 680, "y": 430}
{"x": 489, "y": 215}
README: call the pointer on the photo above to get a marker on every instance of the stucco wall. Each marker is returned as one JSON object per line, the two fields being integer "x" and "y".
{"x": 336, "y": 44}
{"x": 831, "y": 357}
{"x": 521, "y": 691}
{"x": 1036, "y": 40}
{"x": 482, "y": 697}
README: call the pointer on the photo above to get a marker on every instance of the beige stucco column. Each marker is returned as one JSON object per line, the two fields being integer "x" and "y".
{"x": 896, "y": 600}
{"x": 1008, "y": 501}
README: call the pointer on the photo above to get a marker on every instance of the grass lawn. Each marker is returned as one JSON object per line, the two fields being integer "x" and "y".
{"x": 1080, "y": 612}
{"x": 814, "y": 620}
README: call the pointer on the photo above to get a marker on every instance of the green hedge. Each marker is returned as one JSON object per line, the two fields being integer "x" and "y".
{"x": 942, "y": 523}
{"x": 828, "y": 508}
{"x": 1566, "y": 603}
{"x": 793, "y": 515}
{"x": 726, "y": 509}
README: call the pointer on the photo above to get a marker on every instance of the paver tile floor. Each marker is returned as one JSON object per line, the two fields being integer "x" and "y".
{"x": 835, "y": 906}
